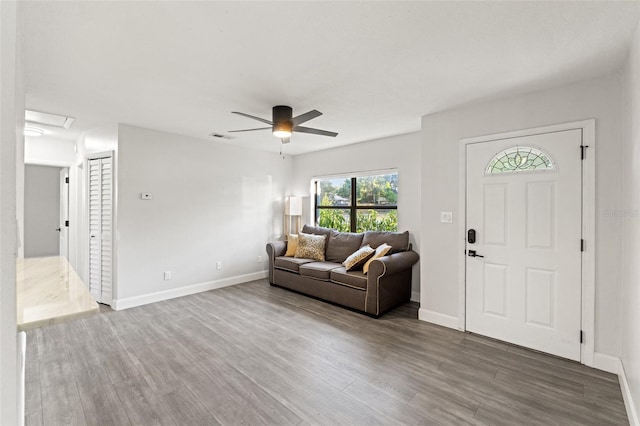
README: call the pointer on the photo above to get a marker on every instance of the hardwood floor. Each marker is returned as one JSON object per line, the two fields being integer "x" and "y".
{"x": 253, "y": 354}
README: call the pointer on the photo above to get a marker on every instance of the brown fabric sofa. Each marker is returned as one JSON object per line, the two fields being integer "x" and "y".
{"x": 387, "y": 284}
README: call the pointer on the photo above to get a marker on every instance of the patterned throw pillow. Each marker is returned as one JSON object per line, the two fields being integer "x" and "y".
{"x": 380, "y": 251}
{"x": 358, "y": 258}
{"x": 311, "y": 246}
{"x": 292, "y": 245}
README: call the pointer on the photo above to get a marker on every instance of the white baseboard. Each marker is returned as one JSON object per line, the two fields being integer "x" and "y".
{"x": 632, "y": 414}
{"x": 612, "y": 364}
{"x": 608, "y": 363}
{"x": 438, "y": 318}
{"x": 415, "y": 296}
{"x": 144, "y": 299}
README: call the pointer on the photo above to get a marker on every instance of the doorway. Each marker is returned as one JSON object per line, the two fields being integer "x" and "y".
{"x": 46, "y": 198}
{"x": 525, "y": 276}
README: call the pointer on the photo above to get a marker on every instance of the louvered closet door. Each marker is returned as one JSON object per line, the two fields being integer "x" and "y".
{"x": 100, "y": 229}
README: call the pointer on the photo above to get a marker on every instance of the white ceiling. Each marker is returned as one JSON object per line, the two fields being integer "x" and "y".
{"x": 372, "y": 68}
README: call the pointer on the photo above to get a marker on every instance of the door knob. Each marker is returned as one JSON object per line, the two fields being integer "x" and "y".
{"x": 472, "y": 253}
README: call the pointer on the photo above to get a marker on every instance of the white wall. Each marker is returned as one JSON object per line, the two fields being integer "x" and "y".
{"x": 41, "y": 211}
{"x": 441, "y": 133}
{"x": 211, "y": 202}
{"x": 401, "y": 152}
{"x": 630, "y": 226}
{"x": 48, "y": 151}
{"x": 11, "y": 117}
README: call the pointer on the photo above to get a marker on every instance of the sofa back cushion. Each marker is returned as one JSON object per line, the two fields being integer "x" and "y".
{"x": 399, "y": 241}
{"x": 339, "y": 245}
{"x": 317, "y": 230}
{"x": 342, "y": 244}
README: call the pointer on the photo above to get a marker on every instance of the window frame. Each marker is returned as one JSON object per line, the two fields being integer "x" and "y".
{"x": 353, "y": 206}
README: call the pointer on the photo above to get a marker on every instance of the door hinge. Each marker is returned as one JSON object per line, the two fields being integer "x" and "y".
{"x": 66, "y": 180}
{"x": 581, "y": 336}
{"x": 66, "y": 223}
{"x": 583, "y": 151}
{"x": 581, "y": 245}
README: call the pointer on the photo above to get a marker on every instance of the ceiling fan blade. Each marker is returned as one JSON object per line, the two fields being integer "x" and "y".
{"x": 314, "y": 131}
{"x": 254, "y": 117}
{"x": 305, "y": 117}
{"x": 249, "y": 130}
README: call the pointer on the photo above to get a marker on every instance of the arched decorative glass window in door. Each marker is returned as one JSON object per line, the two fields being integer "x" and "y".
{"x": 520, "y": 159}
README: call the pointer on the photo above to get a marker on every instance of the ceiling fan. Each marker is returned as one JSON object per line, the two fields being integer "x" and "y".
{"x": 283, "y": 123}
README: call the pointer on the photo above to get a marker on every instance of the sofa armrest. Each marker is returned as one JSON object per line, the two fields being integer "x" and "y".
{"x": 389, "y": 282}
{"x": 275, "y": 249}
{"x": 392, "y": 264}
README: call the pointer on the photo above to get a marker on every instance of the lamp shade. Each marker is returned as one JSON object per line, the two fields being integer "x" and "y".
{"x": 293, "y": 206}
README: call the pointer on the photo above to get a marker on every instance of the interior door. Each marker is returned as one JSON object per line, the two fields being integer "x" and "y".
{"x": 41, "y": 211}
{"x": 100, "y": 186}
{"x": 64, "y": 212}
{"x": 524, "y": 222}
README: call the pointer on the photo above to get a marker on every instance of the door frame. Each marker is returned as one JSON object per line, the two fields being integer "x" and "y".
{"x": 65, "y": 206}
{"x": 588, "y": 128}
{"x": 114, "y": 233}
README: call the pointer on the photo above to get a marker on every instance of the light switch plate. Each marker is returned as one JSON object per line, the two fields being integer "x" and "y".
{"x": 446, "y": 217}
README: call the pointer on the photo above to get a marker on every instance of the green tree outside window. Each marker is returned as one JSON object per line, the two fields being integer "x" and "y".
{"x": 373, "y": 204}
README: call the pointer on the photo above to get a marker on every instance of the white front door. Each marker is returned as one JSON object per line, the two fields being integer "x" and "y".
{"x": 524, "y": 204}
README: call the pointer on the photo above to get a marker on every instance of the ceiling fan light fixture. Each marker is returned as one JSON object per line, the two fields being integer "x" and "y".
{"x": 284, "y": 123}
{"x": 282, "y": 130}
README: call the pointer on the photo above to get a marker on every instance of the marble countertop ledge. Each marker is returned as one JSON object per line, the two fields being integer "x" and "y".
{"x": 49, "y": 291}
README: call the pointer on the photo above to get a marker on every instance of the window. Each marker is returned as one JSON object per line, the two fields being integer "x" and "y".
{"x": 519, "y": 159}
{"x": 358, "y": 203}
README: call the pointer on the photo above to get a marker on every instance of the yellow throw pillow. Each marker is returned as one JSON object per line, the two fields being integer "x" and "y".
{"x": 358, "y": 257}
{"x": 380, "y": 251}
{"x": 311, "y": 247}
{"x": 292, "y": 245}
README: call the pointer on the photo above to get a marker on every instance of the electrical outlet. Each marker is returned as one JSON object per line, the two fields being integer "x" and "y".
{"x": 167, "y": 275}
{"x": 259, "y": 259}
{"x": 219, "y": 264}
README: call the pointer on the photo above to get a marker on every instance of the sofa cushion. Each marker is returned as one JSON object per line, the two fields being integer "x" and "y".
{"x": 311, "y": 246}
{"x": 351, "y": 278}
{"x": 399, "y": 241}
{"x": 381, "y": 251}
{"x": 292, "y": 245}
{"x": 318, "y": 270}
{"x": 290, "y": 263}
{"x": 358, "y": 258}
{"x": 342, "y": 244}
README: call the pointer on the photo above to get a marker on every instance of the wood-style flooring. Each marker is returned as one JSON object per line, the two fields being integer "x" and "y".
{"x": 252, "y": 354}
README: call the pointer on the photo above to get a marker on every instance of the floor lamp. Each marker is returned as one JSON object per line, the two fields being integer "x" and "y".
{"x": 292, "y": 213}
